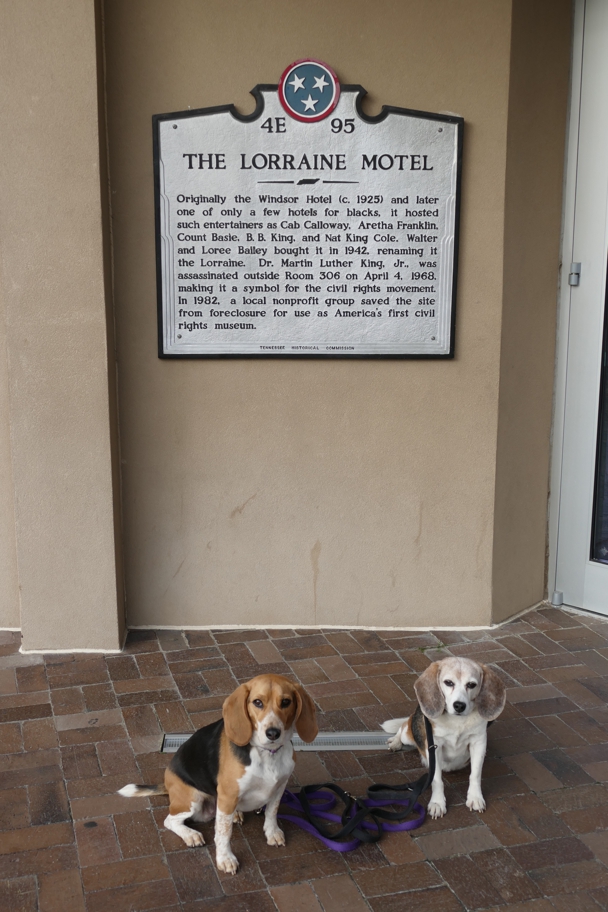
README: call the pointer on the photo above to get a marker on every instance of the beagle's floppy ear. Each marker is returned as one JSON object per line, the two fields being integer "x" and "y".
{"x": 306, "y": 715}
{"x": 237, "y": 724}
{"x": 492, "y": 696}
{"x": 429, "y": 693}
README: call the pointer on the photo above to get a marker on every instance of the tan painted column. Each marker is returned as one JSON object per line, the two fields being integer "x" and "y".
{"x": 53, "y": 290}
{"x": 538, "y": 104}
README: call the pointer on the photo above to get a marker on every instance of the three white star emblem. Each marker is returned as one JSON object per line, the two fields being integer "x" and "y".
{"x": 320, "y": 90}
{"x": 309, "y": 103}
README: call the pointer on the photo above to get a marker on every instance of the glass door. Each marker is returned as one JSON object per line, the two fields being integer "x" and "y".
{"x": 599, "y": 538}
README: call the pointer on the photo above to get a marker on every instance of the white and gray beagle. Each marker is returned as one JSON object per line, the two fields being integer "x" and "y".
{"x": 240, "y": 763}
{"x": 459, "y": 697}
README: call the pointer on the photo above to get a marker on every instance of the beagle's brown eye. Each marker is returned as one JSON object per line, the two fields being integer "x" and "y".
{"x": 471, "y": 685}
{"x": 449, "y": 683}
{"x": 258, "y": 703}
{"x": 285, "y": 702}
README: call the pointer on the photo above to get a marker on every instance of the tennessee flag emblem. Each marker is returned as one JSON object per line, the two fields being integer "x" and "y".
{"x": 309, "y": 90}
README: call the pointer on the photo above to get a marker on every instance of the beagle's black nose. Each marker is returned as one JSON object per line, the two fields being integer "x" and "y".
{"x": 459, "y": 706}
{"x": 273, "y": 734}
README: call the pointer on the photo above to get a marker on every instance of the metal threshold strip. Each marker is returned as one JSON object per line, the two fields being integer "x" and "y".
{"x": 325, "y": 741}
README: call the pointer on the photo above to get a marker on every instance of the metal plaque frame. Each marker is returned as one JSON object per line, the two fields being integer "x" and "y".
{"x": 258, "y": 93}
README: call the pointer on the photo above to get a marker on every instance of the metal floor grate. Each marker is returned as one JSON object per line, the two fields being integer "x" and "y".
{"x": 328, "y": 741}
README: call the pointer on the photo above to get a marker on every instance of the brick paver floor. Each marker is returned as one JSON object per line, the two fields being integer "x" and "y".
{"x": 75, "y": 728}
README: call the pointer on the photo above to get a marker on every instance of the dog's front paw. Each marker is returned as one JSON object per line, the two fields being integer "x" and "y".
{"x": 394, "y": 744}
{"x": 436, "y": 808}
{"x": 227, "y": 863}
{"x": 239, "y": 817}
{"x": 275, "y": 837}
{"x": 192, "y": 838}
{"x": 475, "y": 802}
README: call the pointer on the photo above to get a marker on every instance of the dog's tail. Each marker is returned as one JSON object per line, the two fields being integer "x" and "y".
{"x": 141, "y": 791}
{"x": 393, "y": 725}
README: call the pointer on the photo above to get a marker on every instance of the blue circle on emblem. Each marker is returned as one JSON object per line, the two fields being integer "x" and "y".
{"x": 309, "y": 90}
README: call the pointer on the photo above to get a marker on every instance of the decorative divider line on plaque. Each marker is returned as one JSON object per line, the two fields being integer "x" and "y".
{"x": 308, "y": 228}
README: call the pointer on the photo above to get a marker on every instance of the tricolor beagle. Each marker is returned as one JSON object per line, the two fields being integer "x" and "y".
{"x": 459, "y": 697}
{"x": 239, "y": 763}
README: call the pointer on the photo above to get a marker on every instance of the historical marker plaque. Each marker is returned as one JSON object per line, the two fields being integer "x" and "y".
{"x": 307, "y": 228}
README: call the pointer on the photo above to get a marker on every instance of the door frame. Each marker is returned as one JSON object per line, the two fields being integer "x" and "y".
{"x": 567, "y": 255}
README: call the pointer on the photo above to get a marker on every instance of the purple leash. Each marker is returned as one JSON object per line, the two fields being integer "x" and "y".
{"x": 323, "y": 803}
{"x": 315, "y": 803}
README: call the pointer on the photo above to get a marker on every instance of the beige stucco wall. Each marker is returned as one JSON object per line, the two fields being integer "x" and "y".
{"x": 57, "y": 402}
{"x": 312, "y": 492}
{"x": 390, "y": 493}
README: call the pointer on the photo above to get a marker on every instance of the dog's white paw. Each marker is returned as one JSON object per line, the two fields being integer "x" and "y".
{"x": 239, "y": 817}
{"x": 475, "y": 802}
{"x": 193, "y": 838}
{"x": 275, "y": 837}
{"x": 394, "y": 744}
{"x": 227, "y": 863}
{"x": 436, "y": 809}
